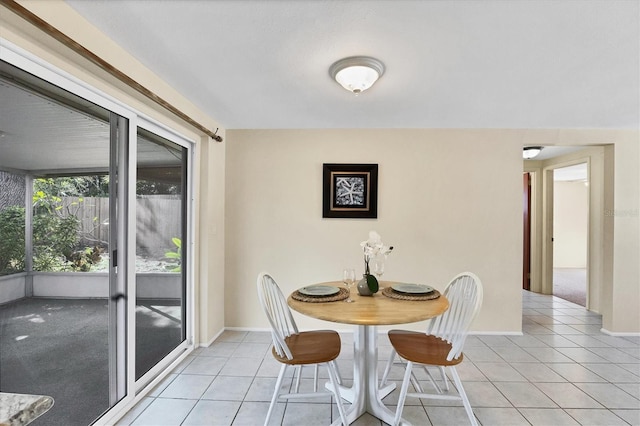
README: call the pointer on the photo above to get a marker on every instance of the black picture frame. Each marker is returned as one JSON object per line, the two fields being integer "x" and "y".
{"x": 350, "y": 191}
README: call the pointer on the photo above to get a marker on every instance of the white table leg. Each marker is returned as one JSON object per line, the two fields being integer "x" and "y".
{"x": 364, "y": 394}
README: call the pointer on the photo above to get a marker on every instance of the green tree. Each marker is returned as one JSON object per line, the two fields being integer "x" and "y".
{"x": 73, "y": 186}
{"x": 148, "y": 187}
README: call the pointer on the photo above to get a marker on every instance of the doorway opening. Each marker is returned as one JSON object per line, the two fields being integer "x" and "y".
{"x": 570, "y": 232}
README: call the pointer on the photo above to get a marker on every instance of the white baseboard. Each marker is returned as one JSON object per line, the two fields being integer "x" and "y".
{"x": 472, "y": 333}
{"x": 213, "y": 339}
{"x": 350, "y": 330}
{"x": 496, "y": 333}
{"x": 620, "y": 334}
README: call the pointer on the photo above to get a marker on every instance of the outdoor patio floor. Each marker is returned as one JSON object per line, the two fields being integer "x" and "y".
{"x": 59, "y": 347}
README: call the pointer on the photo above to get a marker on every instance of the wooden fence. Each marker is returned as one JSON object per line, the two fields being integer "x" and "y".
{"x": 158, "y": 220}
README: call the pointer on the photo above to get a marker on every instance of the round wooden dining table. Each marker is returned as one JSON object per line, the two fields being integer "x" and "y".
{"x": 366, "y": 313}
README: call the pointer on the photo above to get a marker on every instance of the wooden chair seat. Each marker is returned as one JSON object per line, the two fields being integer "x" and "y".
{"x": 422, "y": 348}
{"x": 311, "y": 347}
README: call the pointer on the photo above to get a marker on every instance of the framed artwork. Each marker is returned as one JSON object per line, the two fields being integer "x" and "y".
{"x": 350, "y": 190}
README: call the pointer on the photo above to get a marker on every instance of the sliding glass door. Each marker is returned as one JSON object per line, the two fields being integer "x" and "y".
{"x": 62, "y": 295}
{"x": 94, "y": 246}
{"x": 161, "y": 242}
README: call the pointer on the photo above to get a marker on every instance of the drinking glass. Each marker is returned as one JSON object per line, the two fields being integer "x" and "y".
{"x": 349, "y": 278}
{"x": 378, "y": 267}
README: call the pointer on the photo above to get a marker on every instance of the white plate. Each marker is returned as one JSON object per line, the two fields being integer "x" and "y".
{"x": 319, "y": 290}
{"x": 412, "y": 288}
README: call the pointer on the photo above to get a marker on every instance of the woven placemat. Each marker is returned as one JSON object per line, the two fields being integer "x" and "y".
{"x": 341, "y": 295}
{"x": 389, "y": 292}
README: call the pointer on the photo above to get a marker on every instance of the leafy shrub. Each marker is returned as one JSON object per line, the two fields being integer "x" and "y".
{"x": 83, "y": 260}
{"x": 55, "y": 234}
{"x": 175, "y": 256}
{"x": 12, "y": 249}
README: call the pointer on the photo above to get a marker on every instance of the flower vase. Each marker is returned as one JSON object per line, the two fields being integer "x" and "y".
{"x": 368, "y": 285}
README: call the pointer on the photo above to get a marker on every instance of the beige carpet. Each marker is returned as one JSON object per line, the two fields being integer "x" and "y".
{"x": 570, "y": 284}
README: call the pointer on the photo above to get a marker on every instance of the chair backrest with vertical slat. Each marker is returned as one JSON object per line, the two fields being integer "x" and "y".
{"x": 465, "y": 298}
{"x": 275, "y": 307}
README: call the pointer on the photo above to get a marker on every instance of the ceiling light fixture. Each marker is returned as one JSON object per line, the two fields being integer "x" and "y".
{"x": 529, "y": 152}
{"x": 356, "y": 73}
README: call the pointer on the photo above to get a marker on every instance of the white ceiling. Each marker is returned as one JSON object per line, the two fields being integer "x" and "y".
{"x": 449, "y": 64}
{"x": 555, "y": 151}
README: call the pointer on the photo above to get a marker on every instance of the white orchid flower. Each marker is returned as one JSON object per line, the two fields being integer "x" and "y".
{"x": 374, "y": 238}
{"x": 373, "y": 247}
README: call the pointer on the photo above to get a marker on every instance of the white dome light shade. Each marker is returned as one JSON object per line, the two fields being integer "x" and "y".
{"x": 530, "y": 152}
{"x": 357, "y": 73}
{"x": 356, "y": 79}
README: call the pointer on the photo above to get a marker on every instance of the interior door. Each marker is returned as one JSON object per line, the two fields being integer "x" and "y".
{"x": 526, "y": 207}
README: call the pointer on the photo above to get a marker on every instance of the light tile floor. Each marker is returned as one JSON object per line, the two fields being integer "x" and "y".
{"x": 562, "y": 371}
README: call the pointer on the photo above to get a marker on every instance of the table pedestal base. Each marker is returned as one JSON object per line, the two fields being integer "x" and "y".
{"x": 364, "y": 395}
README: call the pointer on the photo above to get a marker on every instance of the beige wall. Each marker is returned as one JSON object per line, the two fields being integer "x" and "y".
{"x": 571, "y": 221}
{"x": 623, "y": 314}
{"x": 210, "y": 156}
{"x": 449, "y": 201}
{"x": 210, "y": 236}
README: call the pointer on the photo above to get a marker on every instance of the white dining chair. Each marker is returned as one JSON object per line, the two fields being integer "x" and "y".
{"x": 441, "y": 346}
{"x": 294, "y": 348}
